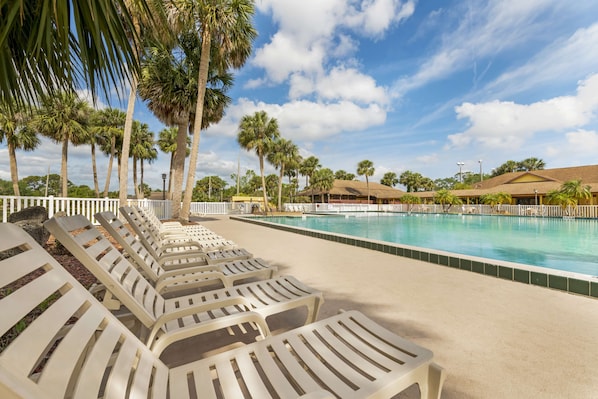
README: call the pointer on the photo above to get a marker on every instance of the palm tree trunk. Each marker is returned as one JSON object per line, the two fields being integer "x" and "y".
{"x": 202, "y": 81}
{"x": 280, "y": 187}
{"x": 141, "y": 190}
{"x": 135, "y": 177}
{"x": 110, "y": 163}
{"x": 14, "y": 175}
{"x": 123, "y": 172}
{"x": 94, "y": 168}
{"x": 179, "y": 169}
{"x": 264, "y": 184}
{"x": 63, "y": 170}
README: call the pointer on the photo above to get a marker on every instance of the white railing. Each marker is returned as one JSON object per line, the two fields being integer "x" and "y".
{"x": 581, "y": 211}
{"x": 90, "y": 206}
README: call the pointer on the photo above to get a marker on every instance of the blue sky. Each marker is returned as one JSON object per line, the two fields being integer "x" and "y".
{"x": 409, "y": 85}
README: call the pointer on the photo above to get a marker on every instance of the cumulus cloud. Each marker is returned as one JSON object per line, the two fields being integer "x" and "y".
{"x": 505, "y": 123}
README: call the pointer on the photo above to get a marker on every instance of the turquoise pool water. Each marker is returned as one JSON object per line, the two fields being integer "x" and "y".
{"x": 569, "y": 245}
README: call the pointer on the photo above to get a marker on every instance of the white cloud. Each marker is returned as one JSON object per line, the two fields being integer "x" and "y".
{"x": 507, "y": 124}
{"x": 304, "y": 120}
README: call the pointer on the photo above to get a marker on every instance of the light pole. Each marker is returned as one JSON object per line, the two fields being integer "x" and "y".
{"x": 163, "y": 186}
{"x": 460, "y": 171}
{"x": 481, "y": 176}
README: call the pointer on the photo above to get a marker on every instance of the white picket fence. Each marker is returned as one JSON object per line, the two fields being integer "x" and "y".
{"x": 581, "y": 211}
{"x": 91, "y": 206}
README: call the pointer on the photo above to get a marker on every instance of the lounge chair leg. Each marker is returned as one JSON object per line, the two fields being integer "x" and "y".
{"x": 436, "y": 377}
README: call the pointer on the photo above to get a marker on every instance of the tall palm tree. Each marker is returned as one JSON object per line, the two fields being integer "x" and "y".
{"x": 257, "y": 132}
{"x": 14, "y": 129}
{"x": 169, "y": 87}
{"x": 107, "y": 126}
{"x": 50, "y": 46}
{"x": 224, "y": 25}
{"x": 532, "y": 164}
{"x": 283, "y": 153}
{"x": 366, "y": 168}
{"x": 64, "y": 118}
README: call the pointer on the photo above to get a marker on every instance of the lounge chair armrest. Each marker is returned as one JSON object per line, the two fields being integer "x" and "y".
{"x": 163, "y": 283}
{"x": 158, "y": 343}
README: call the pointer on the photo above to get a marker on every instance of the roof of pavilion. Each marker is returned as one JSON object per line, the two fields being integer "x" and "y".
{"x": 358, "y": 188}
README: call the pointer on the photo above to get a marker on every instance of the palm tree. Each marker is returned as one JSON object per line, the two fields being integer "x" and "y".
{"x": 142, "y": 148}
{"x": 411, "y": 180}
{"x": 575, "y": 189}
{"x": 494, "y": 199}
{"x": 532, "y": 164}
{"x": 225, "y": 30}
{"x": 411, "y": 200}
{"x": 446, "y": 199}
{"x": 562, "y": 198}
{"x": 47, "y": 47}
{"x": 257, "y": 133}
{"x": 168, "y": 84}
{"x": 307, "y": 169}
{"x": 323, "y": 180}
{"x": 106, "y": 128}
{"x": 343, "y": 175}
{"x": 366, "y": 168}
{"x": 389, "y": 179}
{"x": 63, "y": 117}
{"x": 283, "y": 153}
{"x": 14, "y": 129}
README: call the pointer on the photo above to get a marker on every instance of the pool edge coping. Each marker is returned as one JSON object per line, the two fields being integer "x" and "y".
{"x": 571, "y": 282}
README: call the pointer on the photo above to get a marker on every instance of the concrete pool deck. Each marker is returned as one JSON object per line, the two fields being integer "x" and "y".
{"x": 495, "y": 338}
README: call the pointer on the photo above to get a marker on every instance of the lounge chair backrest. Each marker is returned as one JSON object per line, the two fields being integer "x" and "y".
{"x": 134, "y": 247}
{"x": 68, "y": 344}
{"x": 144, "y": 234}
{"x": 109, "y": 266}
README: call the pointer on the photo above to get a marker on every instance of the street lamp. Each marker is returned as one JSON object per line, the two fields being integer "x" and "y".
{"x": 481, "y": 176}
{"x": 163, "y": 186}
{"x": 460, "y": 171}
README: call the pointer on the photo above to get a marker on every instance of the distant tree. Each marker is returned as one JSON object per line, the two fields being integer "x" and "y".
{"x": 107, "y": 126}
{"x": 208, "y": 188}
{"x": 532, "y": 164}
{"x": 390, "y": 179}
{"x": 343, "y": 175}
{"x": 244, "y": 182}
{"x": 15, "y": 132}
{"x": 496, "y": 199}
{"x": 426, "y": 184}
{"x": 446, "y": 199}
{"x": 411, "y": 200}
{"x": 323, "y": 180}
{"x": 308, "y": 167}
{"x": 39, "y": 185}
{"x": 411, "y": 180}
{"x": 366, "y": 168}
{"x": 447, "y": 183}
{"x": 507, "y": 167}
{"x": 167, "y": 142}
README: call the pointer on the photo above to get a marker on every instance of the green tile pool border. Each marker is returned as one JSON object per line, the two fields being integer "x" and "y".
{"x": 574, "y": 285}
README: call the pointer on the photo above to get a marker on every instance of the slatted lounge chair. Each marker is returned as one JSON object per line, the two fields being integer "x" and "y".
{"x": 167, "y": 320}
{"x": 173, "y": 226}
{"x": 76, "y": 348}
{"x": 167, "y": 246}
{"x": 232, "y": 272}
{"x": 204, "y": 239}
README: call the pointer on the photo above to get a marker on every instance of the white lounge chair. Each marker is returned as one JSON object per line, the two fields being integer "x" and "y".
{"x": 164, "y": 321}
{"x": 73, "y": 347}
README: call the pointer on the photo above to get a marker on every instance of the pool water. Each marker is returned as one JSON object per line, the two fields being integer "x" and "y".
{"x": 569, "y": 245}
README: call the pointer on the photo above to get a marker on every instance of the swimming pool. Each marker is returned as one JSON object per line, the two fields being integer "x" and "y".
{"x": 569, "y": 245}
